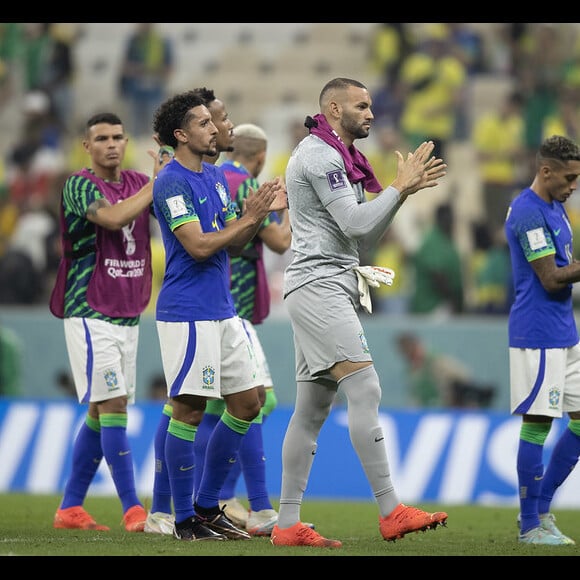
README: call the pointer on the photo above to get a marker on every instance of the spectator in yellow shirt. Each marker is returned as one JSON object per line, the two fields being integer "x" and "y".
{"x": 431, "y": 84}
{"x": 499, "y": 141}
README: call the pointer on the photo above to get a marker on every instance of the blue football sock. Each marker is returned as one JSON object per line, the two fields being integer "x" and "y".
{"x": 254, "y": 468}
{"x": 180, "y": 466}
{"x": 86, "y": 458}
{"x": 204, "y": 431}
{"x": 229, "y": 487}
{"x": 161, "y": 500}
{"x": 117, "y": 452}
{"x": 530, "y": 471}
{"x": 221, "y": 453}
{"x": 563, "y": 460}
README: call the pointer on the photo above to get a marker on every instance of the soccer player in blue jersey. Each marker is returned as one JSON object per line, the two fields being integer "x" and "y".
{"x": 204, "y": 349}
{"x": 160, "y": 519}
{"x": 103, "y": 284}
{"x": 252, "y": 302}
{"x": 544, "y": 353}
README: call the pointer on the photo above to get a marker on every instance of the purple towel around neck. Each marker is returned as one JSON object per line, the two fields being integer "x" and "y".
{"x": 357, "y": 165}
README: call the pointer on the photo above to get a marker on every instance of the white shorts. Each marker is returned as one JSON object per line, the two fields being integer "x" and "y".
{"x": 208, "y": 358}
{"x": 103, "y": 359}
{"x": 545, "y": 381}
{"x": 264, "y": 376}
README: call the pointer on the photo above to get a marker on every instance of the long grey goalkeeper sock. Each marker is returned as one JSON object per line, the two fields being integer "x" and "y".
{"x": 313, "y": 403}
{"x": 363, "y": 393}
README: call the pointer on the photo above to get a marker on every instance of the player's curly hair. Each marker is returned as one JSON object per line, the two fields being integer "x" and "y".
{"x": 206, "y": 94}
{"x": 557, "y": 148}
{"x": 174, "y": 114}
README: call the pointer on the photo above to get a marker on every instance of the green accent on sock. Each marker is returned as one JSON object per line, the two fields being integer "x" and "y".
{"x": 238, "y": 425}
{"x": 271, "y": 402}
{"x": 535, "y": 432}
{"x": 113, "y": 420}
{"x": 215, "y": 407}
{"x": 574, "y": 426}
{"x": 260, "y": 417}
{"x": 167, "y": 410}
{"x": 93, "y": 424}
{"x": 181, "y": 430}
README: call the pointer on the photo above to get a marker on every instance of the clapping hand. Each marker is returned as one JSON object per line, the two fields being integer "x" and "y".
{"x": 419, "y": 170}
{"x": 270, "y": 196}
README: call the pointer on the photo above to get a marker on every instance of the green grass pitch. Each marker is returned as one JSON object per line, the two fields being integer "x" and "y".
{"x": 26, "y": 530}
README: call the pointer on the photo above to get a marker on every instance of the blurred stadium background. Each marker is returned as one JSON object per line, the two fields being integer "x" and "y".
{"x": 269, "y": 74}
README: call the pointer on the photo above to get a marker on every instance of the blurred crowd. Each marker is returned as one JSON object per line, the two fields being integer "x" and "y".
{"x": 423, "y": 88}
{"x": 37, "y": 66}
{"x": 428, "y": 75}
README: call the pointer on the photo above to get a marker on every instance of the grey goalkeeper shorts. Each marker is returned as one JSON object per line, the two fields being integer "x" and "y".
{"x": 326, "y": 325}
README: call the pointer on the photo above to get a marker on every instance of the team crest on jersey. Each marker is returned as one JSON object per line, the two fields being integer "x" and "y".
{"x": 554, "y": 395}
{"x": 364, "y": 343}
{"x": 208, "y": 377}
{"x": 222, "y": 193}
{"x": 111, "y": 380}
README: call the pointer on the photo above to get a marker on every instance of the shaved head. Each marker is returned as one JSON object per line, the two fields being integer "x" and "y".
{"x": 332, "y": 88}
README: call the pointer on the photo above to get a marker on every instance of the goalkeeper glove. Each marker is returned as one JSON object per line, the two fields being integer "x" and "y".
{"x": 372, "y": 276}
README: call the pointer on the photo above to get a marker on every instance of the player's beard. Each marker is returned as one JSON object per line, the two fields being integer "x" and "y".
{"x": 352, "y": 127}
{"x": 217, "y": 153}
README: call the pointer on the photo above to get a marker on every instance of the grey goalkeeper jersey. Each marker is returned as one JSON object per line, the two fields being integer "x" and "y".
{"x": 316, "y": 177}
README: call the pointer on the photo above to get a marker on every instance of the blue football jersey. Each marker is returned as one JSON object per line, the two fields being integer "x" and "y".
{"x": 193, "y": 290}
{"x": 539, "y": 319}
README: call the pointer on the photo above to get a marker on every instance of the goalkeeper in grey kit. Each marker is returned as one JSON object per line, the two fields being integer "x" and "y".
{"x": 324, "y": 288}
